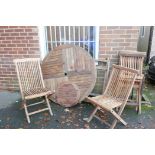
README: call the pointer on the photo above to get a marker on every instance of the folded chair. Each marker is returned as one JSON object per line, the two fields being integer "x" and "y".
{"x": 134, "y": 60}
{"x": 31, "y": 84}
{"x": 116, "y": 94}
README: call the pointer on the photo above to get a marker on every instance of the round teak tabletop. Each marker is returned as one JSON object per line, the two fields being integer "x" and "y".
{"x": 72, "y": 64}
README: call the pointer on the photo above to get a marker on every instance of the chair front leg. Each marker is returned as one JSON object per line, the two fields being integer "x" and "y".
{"x": 48, "y": 105}
{"x": 118, "y": 117}
{"x": 118, "y": 114}
{"x": 92, "y": 115}
{"x": 26, "y": 111}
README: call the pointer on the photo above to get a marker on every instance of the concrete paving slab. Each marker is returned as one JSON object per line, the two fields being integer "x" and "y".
{"x": 8, "y": 98}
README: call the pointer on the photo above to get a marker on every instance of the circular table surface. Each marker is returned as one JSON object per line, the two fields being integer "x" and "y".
{"x": 67, "y": 94}
{"x": 69, "y": 63}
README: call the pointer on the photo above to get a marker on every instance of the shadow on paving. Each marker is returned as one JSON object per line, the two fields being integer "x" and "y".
{"x": 72, "y": 118}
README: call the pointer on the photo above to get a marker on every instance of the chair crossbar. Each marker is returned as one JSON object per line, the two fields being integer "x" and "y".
{"x": 37, "y": 111}
{"x": 36, "y": 103}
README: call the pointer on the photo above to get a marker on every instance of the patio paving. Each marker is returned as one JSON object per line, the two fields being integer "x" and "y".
{"x": 12, "y": 117}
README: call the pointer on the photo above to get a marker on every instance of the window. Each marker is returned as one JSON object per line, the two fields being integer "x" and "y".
{"x": 83, "y": 36}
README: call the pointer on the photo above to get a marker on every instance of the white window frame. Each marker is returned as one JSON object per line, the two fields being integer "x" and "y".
{"x": 43, "y": 46}
{"x": 42, "y": 43}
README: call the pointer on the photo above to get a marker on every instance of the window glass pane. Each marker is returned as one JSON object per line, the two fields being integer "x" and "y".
{"x": 83, "y": 36}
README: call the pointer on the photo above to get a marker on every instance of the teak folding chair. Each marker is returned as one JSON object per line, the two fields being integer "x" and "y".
{"x": 116, "y": 94}
{"x": 134, "y": 60}
{"x": 31, "y": 84}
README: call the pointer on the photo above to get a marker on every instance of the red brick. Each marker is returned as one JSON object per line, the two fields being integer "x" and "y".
{"x": 132, "y": 31}
{"x": 25, "y": 48}
{"x": 11, "y": 45}
{"x": 9, "y": 30}
{"x": 12, "y": 52}
{"x": 25, "y": 41}
{"x": 23, "y": 34}
{"x": 33, "y": 41}
{"x": 106, "y": 32}
{"x": 2, "y": 45}
{"x": 105, "y": 39}
{"x": 112, "y": 44}
{"x": 32, "y": 45}
{"x": 29, "y": 38}
{"x": 109, "y": 36}
{"x": 15, "y": 34}
{"x": 124, "y": 44}
{"x": 125, "y": 27}
{"x": 3, "y": 27}
{"x": 4, "y": 52}
{"x": 118, "y": 40}
{"x": 125, "y": 36}
{"x": 119, "y": 31}
{"x": 7, "y": 66}
{"x": 29, "y": 30}
{"x": 22, "y": 52}
{"x": 19, "y": 30}
{"x": 119, "y": 48}
{"x": 11, "y": 69}
{"x": 6, "y": 41}
{"x": 20, "y": 38}
{"x": 131, "y": 40}
{"x": 21, "y": 45}
{"x": 17, "y": 48}
{"x": 2, "y": 38}
{"x": 14, "y": 27}
{"x": 8, "y": 49}
{"x": 21, "y": 27}
{"x": 112, "y": 27}
{"x": 16, "y": 41}
{"x": 105, "y": 49}
{"x": 32, "y": 27}
{"x": 10, "y": 38}
{"x": 103, "y": 28}
{"x": 4, "y": 34}
{"x": 130, "y": 48}
{"x": 33, "y": 34}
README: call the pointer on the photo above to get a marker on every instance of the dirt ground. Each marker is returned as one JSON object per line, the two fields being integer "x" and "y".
{"x": 13, "y": 117}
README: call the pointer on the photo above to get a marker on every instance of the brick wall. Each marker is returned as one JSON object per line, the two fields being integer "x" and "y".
{"x": 23, "y": 42}
{"x": 117, "y": 38}
{"x": 15, "y": 42}
{"x": 112, "y": 40}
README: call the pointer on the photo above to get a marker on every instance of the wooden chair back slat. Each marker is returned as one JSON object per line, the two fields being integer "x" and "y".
{"x": 120, "y": 83}
{"x": 29, "y": 74}
{"x": 132, "y": 59}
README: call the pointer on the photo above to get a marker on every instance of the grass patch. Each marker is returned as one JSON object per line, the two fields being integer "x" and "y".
{"x": 149, "y": 91}
{"x": 148, "y": 107}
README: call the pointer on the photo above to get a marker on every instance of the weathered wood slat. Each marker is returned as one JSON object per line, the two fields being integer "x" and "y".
{"x": 70, "y": 63}
{"x": 67, "y": 94}
{"x": 134, "y": 60}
